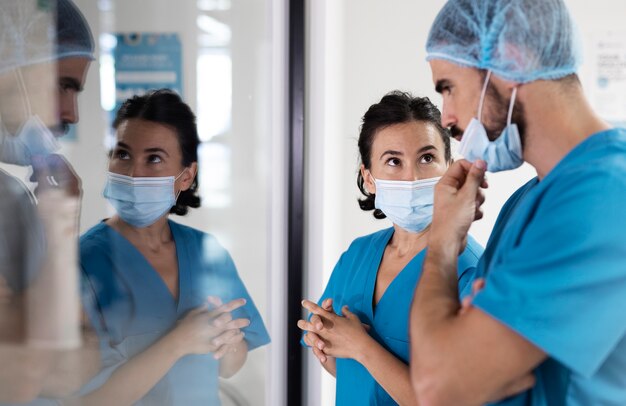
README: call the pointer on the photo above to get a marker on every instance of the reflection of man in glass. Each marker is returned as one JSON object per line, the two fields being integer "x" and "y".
{"x": 41, "y": 75}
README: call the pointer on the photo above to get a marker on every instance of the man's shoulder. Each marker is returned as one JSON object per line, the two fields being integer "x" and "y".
{"x": 601, "y": 155}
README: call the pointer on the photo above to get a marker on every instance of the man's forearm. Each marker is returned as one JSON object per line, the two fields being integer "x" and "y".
{"x": 434, "y": 307}
{"x": 436, "y": 296}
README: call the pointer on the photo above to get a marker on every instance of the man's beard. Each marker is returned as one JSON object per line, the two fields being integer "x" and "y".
{"x": 495, "y": 114}
{"x": 60, "y": 129}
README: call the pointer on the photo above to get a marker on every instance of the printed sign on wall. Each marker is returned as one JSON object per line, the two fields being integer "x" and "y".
{"x": 608, "y": 93}
{"x": 146, "y": 61}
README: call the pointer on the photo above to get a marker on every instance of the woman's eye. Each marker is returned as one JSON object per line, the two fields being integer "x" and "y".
{"x": 121, "y": 154}
{"x": 426, "y": 159}
{"x": 154, "y": 159}
{"x": 393, "y": 162}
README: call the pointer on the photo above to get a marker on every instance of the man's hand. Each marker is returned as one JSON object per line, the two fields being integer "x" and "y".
{"x": 55, "y": 172}
{"x": 458, "y": 198}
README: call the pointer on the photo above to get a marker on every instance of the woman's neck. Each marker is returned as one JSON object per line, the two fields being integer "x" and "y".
{"x": 152, "y": 237}
{"x": 406, "y": 243}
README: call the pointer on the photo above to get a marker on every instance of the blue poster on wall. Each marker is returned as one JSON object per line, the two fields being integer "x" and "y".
{"x": 146, "y": 61}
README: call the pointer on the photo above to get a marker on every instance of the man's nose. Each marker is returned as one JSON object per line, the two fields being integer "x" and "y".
{"x": 69, "y": 109}
{"x": 448, "y": 118}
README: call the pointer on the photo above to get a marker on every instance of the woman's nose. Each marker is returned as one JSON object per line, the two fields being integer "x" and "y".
{"x": 411, "y": 175}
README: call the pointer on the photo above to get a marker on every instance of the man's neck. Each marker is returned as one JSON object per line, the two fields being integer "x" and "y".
{"x": 557, "y": 121}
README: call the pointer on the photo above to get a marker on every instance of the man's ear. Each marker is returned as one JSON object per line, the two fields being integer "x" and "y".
{"x": 505, "y": 84}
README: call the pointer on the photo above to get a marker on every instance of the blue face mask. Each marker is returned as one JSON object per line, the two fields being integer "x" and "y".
{"x": 503, "y": 153}
{"x": 140, "y": 202}
{"x": 407, "y": 204}
{"x": 33, "y": 138}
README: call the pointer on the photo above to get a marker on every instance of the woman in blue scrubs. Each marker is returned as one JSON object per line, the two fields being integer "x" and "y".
{"x": 359, "y": 328}
{"x": 167, "y": 302}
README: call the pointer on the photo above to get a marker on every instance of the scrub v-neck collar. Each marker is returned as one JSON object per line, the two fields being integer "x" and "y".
{"x": 153, "y": 277}
{"x": 376, "y": 260}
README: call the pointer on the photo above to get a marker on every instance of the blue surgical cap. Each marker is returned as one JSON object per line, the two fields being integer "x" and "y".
{"x": 28, "y": 35}
{"x": 73, "y": 35}
{"x": 518, "y": 40}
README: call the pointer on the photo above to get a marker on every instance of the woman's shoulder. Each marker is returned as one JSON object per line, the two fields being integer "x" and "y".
{"x": 369, "y": 240}
{"x": 198, "y": 241}
{"x": 189, "y": 231}
{"x": 95, "y": 242}
{"x": 94, "y": 236}
{"x": 472, "y": 253}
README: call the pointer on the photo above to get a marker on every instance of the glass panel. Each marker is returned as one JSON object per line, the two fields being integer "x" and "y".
{"x": 159, "y": 299}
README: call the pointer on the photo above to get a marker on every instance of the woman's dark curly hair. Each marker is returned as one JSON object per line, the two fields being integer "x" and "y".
{"x": 164, "y": 106}
{"x": 394, "y": 108}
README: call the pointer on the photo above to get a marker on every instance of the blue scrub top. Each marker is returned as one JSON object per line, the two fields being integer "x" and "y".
{"x": 555, "y": 270}
{"x": 352, "y": 283}
{"x": 131, "y": 307}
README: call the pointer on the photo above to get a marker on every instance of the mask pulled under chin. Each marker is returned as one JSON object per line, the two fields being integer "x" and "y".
{"x": 33, "y": 138}
{"x": 502, "y": 154}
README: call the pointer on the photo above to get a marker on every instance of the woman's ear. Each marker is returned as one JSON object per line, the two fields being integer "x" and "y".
{"x": 188, "y": 176}
{"x": 368, "y": 180}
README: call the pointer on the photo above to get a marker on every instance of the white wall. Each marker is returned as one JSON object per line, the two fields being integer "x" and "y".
{"x": 359, "y": 50}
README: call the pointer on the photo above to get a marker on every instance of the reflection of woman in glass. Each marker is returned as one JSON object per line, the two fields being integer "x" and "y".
{"x": 404, "y": 150}
{"x": 170, "y": 309}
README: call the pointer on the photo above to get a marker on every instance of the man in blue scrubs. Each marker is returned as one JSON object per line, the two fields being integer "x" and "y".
{"x": 548, "y": 328}
{"x": 41, "y": 76}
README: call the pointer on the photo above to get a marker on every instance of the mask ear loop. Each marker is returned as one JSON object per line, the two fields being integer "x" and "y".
{"x": 511, "y": 104}
{"x": 482, "y": 97}
{"x": 175, "y": 179}
{"x": 20, "y": 80}
{"x": 372, "y": 175}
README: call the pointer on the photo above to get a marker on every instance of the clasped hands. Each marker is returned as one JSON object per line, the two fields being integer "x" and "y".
{"x": 332, "y": 335}
{"x": 211, "y": 328}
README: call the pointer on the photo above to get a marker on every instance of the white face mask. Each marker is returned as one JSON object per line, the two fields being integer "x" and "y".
{"x": 408, "y": 204}
{"x": 502, "y": 154}
{"x": 140, "y": 202}
{"x": 33, "y": 138}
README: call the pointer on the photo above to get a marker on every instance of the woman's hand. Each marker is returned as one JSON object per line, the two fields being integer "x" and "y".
{"x": 315, "y": 323}
{"x": 203, "y": 331}
{"x": 340, "y": 336}
{"x": 231, "y": 340}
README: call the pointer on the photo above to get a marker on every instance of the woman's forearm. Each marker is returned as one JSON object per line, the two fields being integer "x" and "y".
{"x": 390, "y": 372}
{"x": 134, "y": 379}
{"x": 233, "y": 361}
{"x": 330, "y": 365}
